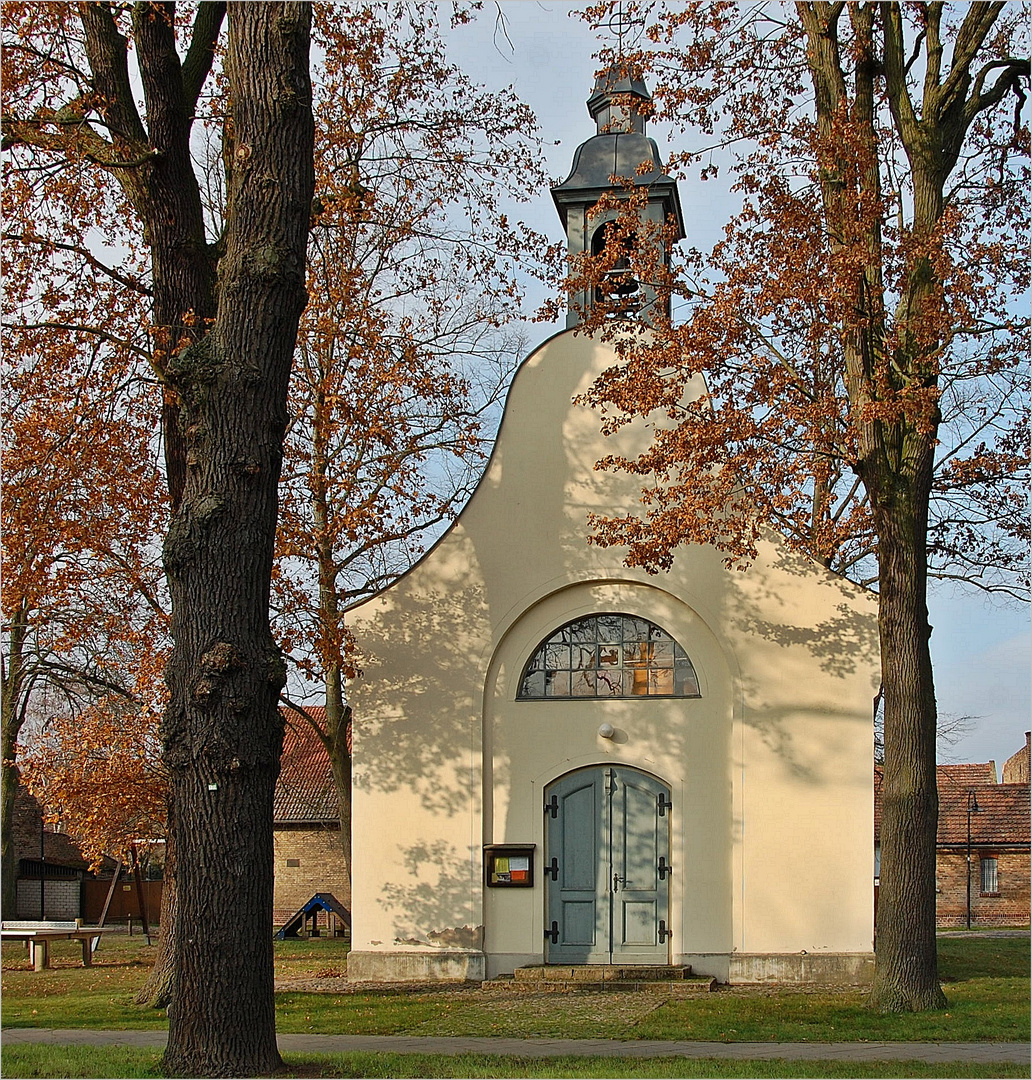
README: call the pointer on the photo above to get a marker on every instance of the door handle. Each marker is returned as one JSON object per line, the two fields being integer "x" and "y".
{"x": 618, "y": 881}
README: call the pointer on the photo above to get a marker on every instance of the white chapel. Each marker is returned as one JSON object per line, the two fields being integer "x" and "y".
{"x": 560, "y": 760}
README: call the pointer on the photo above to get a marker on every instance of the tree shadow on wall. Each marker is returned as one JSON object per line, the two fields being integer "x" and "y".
{"x": 417, "y": 720}
{"x": 433, "y": 903}
{"x": 842, "y": 642}
{"x": 841, "y": 638}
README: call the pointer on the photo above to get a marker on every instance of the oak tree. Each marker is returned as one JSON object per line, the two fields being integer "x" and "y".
{"x": 861, "y": 329}
{"x": 224, "y": 308}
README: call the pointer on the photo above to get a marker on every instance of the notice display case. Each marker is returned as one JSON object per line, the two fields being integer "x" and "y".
{"x": 509, "y": 866}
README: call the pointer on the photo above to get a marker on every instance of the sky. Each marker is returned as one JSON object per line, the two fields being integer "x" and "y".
{"x": 981, "y": 649}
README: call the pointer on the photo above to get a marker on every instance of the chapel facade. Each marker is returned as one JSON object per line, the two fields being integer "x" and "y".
{"x": 559, "y": 759}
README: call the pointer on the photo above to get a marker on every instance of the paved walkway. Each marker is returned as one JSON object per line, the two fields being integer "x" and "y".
{"x": 538, "y": 1048}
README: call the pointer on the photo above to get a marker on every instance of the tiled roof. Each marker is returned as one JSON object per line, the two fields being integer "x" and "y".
{"x": 970, "y": 774}
{"x": 1003, "y": 809}
{"x": 59, "y": 848}
{"x": 304, "y": 791}
{"x": 1002, "y": 816}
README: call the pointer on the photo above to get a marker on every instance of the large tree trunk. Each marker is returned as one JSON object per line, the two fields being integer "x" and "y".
{"x": 222, "y": 731}
{"x": 906, "y": 966}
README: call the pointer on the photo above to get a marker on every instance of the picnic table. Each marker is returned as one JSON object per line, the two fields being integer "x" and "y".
{"x": 38, "y": 935}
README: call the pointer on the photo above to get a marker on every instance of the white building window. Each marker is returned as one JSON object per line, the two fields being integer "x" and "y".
{"x": 990, "y": 876}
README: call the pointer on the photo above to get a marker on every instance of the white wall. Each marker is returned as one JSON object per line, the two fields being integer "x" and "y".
{"x": 771, "y": 767}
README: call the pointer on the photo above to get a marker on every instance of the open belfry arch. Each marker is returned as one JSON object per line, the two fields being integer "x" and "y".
{"x": 560, "y": 760}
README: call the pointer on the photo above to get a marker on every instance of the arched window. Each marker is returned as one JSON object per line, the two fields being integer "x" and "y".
{"x": 608, "y": 655}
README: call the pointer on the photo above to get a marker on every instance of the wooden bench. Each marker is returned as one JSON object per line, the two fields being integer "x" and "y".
{"x": 38, "y": 935}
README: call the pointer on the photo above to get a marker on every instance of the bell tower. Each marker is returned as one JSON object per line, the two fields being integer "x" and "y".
{"x": 619, "y": 105}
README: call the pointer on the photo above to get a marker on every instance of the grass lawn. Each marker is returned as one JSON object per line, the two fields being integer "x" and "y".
{"x": 986, "y": 981}
{"x": 89, "y": 1061}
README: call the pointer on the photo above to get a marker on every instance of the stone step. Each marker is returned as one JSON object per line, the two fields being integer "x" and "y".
{"x": 598, "y": 973}
{"x": 684, "y": 987}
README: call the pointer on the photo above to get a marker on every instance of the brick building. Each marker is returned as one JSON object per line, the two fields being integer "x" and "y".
{"x": 1016, "y": 767}
{"x": 982, "y": 859}
{"x": 51, "y": 868}
{"x": 306, "y": 824}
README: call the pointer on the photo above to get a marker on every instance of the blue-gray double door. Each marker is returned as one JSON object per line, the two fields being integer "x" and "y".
{"x": 607, "y": 868}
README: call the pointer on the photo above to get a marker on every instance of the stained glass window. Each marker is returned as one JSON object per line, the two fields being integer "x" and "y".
{"x": 609, "y": 655}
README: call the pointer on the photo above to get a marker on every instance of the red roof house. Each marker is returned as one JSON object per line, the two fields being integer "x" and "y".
{"x": 982, "y": 846}
{"x": 306, "y": 822}
{"x": 304, "y": 791}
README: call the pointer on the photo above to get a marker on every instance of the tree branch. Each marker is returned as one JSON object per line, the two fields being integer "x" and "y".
{"x": 108, "y": 54}
{"x": 85, "y": 254}
{"x": 81, "y": 328}
{"x": 201, "y": 54}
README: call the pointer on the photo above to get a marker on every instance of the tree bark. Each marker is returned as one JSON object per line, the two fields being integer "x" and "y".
{"x": 222, "y": 731}
{"x": 906, "y": 967}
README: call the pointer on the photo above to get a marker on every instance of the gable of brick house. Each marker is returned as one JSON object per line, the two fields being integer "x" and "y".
{"x": 304, "y": 790}
{"x": 307, "y": 852}
{"x": 1016, "y": 767}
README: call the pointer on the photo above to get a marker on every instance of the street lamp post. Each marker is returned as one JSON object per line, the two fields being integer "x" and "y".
{"x": 972, "y": 808}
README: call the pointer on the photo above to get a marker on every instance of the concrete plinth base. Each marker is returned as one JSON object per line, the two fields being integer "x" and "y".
{"x": 828, "y": 969}
{"x": 437, "y": 965}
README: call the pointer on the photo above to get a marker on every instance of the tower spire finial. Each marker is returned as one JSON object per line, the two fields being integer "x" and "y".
{"x": 623, "y": 26}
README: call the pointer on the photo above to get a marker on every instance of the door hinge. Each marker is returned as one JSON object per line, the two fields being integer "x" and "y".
{"x": 553, "y": 870}
{"x": 553, "y": 934}
{"x": 552, "y": 806}
{"x": 663, "y": 804}
{"x": 664, "y": 868}
{"x": 664, "y": 933}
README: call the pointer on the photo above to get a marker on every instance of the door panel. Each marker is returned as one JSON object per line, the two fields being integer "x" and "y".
{"x": 640, "y": 837}
{"x": 576, "y": 907}
{"x": 579, "y": 826}
{"x": 607, "y": 830}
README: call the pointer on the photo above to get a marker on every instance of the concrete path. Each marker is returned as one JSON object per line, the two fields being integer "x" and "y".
{"x": 539, "y": 1048}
